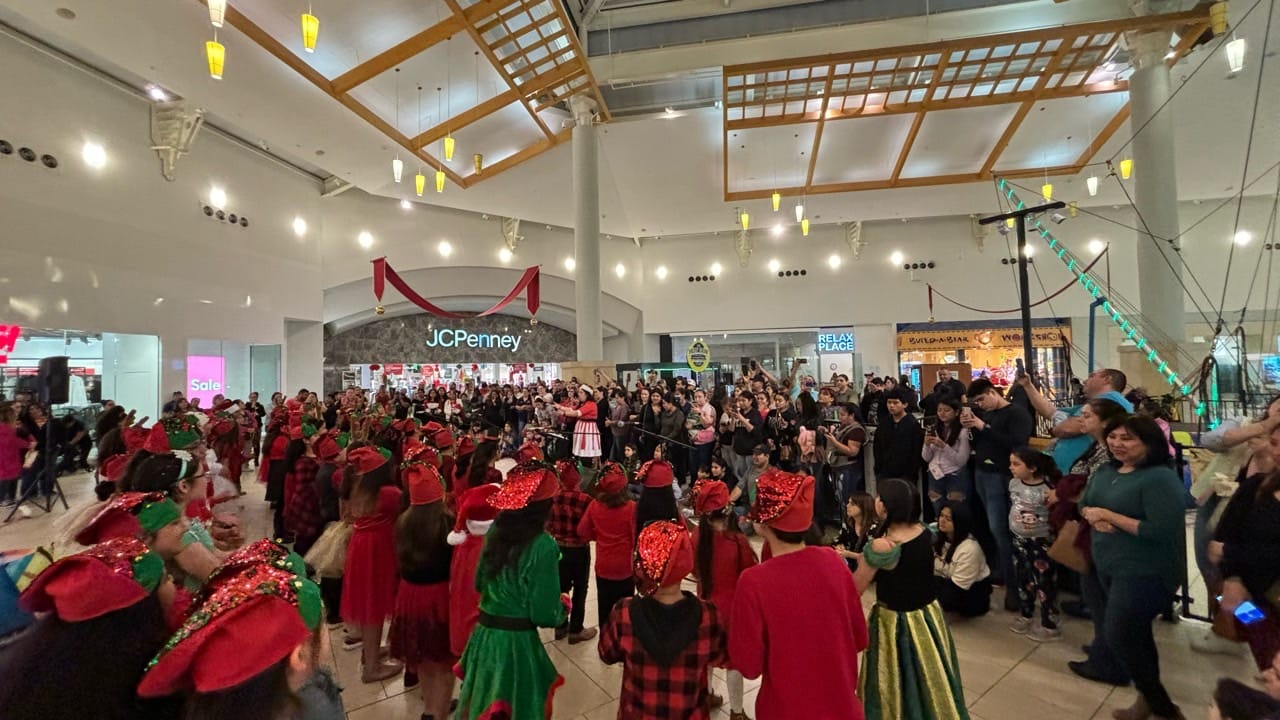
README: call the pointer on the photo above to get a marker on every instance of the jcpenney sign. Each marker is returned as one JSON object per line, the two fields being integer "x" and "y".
{"x": 462, "y": 338}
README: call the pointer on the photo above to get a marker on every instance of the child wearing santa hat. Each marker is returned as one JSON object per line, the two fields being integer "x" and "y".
{"x": 369, "y": 576}
{"x": 610, "y": 520}
{"x": 666, "y": 639}
{"x": 420, "y": 624}
{"x": 721, "y": 554}
{"x": 783, "y": 606}
{"x": 567, "y": 510}
{"x": 475, "y": 517}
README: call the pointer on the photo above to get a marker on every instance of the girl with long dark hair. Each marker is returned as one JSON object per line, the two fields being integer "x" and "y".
{"x": 303, "y": 518}
{"x": 420, "y": 623}
{"x": 946, "y": 451}
{"x": 369, "y": 575}
{"x": 961, "y": 577}
{"x": 657, "y": 496}
{"x": 505, "y": 662}
{"x": 273, "y": 473}
{"x": 721, "y": 552}
{"x": 481, "y": 470}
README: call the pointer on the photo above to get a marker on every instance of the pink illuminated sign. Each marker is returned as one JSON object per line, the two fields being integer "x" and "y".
{"x": 8, "y": 340}
{"x": 206, "y": 378}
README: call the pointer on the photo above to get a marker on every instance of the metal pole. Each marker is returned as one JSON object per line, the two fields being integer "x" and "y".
{"x": 1024, "y": 299}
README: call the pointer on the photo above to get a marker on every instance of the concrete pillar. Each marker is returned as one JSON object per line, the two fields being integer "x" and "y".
{"x": 586, "y": 230}
{"x": 303, "y": 356}
{"x": 1156, "y": 190}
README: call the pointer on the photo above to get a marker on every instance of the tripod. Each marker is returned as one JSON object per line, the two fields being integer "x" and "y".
{"x": 29, "y": 495}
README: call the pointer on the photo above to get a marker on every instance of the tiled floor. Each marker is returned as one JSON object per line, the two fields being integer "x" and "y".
{"x": 1004, "y": 675}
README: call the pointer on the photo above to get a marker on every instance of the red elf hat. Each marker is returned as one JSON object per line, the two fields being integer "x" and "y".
{"x": 157, "y": 442}
{"x": 529, "y": 453}
{"x": 367, "y": 459}
{"x": 107, "y": 577}
{"x": 784, "y": 501}
{"x": 466, "y": 446}
{"x": 664, "y": 556}
{"x": 710, "y": 496}
{"x": 259, "y": 552}
{"x": 416, "y": 452}
{"x": 250, "y": 622}
{"x": 327, "y": 447}
{"x": 424, "y": 483}
{"x": 570, "y": 478}
{"x": 438, "y": 435}
{"x": 474, "y": 508}
{"x": 134, "y": 437}
{"x": 656, "y": 474}
{"x": 525, "y": 484}
{"x": 112, "y": 469}
{"x": 612, "y": 479}
{"x": 129, "y": 515}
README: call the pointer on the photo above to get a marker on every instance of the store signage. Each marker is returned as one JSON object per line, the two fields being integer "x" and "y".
{"x": 9, "y": 335}
{"x": 841, "y": 342}
{"x": 395, "y": 368}
{"x": 1043, "y": 337}
{"x": 206, "y": 377}
{"x": 698, "y": 355}
{"x": 461, "y": 338}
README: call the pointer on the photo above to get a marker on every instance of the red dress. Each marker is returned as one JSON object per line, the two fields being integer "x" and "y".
{"x": 731, "y": 553}
{"x": 420, "y": 625}
{"x": 369, "y": 576}
{"x": 464, "y": 599}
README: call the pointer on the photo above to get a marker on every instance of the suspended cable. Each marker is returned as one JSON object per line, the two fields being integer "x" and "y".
{"x": 1229, "y": 199}
{"x": 1248, "y": 152}
{"x": 1262, "y": 247}
{"x": 1068, "y": 286}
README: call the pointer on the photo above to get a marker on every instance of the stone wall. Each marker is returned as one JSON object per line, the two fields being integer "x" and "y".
{"x": 404, "y": 340}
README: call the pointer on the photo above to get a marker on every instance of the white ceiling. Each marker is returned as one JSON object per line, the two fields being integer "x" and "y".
{"x": 659, "y": 175}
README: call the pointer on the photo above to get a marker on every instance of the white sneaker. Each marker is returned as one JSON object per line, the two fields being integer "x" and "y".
{"x": 1044, "y": 634}
{"x": 1211, "y": 644}
{"x": 1021, "y": 625}
{"x": 25, "y": 511}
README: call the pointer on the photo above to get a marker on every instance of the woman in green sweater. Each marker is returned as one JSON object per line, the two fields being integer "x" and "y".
{"x": 1134, "y": 506}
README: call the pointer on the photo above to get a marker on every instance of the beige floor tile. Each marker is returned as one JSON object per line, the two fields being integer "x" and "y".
{"x": 579, "y": 694}
{"x": 1034, "y": 692}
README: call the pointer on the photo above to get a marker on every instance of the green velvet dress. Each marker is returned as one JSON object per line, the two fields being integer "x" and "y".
{"x": 511, "y": 667}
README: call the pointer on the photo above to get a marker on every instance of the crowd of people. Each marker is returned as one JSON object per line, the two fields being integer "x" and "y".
{"x": 458, "y": 521}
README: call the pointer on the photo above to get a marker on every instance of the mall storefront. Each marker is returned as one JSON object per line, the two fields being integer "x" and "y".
{"x": 824, "y": 352}
{"x": 990, "y": 348}
{"x": 427, "y": 351}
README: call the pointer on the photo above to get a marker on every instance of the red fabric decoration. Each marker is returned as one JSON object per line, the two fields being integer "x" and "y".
{"x": 664, "y": 555}
{"x": 710, "y": 496}
{"x": 366, "y": 459}
{"x": 612, "y": 479}
{"x": 134, "y": 438}
{"x": 656, "y": 474}
{"x": 424, "y": 483}
{"x": 474, "y": 506}
{"x": 89, "y": 584}
{"x": 112, "y": 469}
{"x": 784, "y": 501}
{"x": 157, "y": 442}
{"x": 525, "y": 485}
{"x": 384, "y": 273}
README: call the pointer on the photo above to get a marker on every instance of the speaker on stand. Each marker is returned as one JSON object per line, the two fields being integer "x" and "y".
{"x": 54, "y": 389}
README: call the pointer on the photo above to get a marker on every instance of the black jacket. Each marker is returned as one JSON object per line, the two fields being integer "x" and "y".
{"x": 897, "y": 448}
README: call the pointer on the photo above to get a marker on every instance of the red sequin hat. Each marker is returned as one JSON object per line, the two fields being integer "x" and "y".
{"x": 784, "y": 501}
{"x": 525, "y": 484}
{"x": 466, "y": 446}
{"x": 664, "y": 556}
{"x": 656, "y": 474}
{"x": 112, "y": 469}
{"x": 416, "y": 452}
{"x": 570, "y": 478}
{"x": 423, "y": 481}
{"x": 474, "y": 508}
{"x": 107, "y": 577}
{"x": 529, "y": 453}
{"x": 612, "y": 479}
{"x": 250, "y": 622}
{"x": 710, "y": 496}
{"x": 367, "y": 459}
{"x": 438, "y": 435}
{"x": 129, "y": 515}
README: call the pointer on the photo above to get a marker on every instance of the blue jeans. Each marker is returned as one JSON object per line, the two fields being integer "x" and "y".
{"x": 1130, "y": 604}
{"x": 1101, "y": 657}
{"x": 992, "y": 487}
{"x": 848, "y": 479}
{"x": 959, "y": 483}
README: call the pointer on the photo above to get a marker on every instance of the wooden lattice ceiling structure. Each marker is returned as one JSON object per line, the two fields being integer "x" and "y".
{"x": 1018, "y": 68}
{"x": 530, "y": 44}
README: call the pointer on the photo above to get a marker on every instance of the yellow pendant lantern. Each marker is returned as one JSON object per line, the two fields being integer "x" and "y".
{"x": 745, "y": 219}
{"x": 1010, "y": 223}
{"x": 419, "y": 182}
{"x": 1126, "y": 168}
{"x": 478, "y": 161}
{"x": 310, "y": 31}
{"x": 777, "y": 201}
{"x": 1047, "y": 191}
{"x": 216, "y": 53}
{"x": 804, "y": 227}
{"x": 439, "y": 181}
{"x": 448, "y": 148}
{"x": 1218, "y": 17}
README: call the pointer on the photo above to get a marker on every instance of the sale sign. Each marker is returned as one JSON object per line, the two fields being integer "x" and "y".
{"x": 206, "y": 378}
{"x": 8, "y": 341}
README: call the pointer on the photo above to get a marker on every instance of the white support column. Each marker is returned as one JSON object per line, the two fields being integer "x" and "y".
{"x": 586, "y": 230}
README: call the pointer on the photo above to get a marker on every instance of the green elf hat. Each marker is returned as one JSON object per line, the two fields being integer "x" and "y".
{"x": 183, "y": 431}
{"x": 130, "y": 514}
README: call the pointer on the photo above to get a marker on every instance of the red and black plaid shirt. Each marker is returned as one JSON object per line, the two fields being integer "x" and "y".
{"x": 567, "y": 509}
{"x": 649, "y": 690}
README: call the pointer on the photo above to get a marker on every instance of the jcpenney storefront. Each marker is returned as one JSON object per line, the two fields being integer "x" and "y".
{"x": 425, "y": 350}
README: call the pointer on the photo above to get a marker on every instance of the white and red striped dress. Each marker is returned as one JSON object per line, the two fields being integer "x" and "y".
{"x": 586, "y": 435}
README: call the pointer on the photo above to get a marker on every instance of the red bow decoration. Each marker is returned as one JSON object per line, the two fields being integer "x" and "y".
{"x": 384, "y": 273}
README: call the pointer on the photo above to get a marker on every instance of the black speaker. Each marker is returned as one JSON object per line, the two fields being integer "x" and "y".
{"x": 55, "y": 381}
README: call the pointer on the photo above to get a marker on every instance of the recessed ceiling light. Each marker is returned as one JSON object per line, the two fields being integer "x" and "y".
{"x": 157, "y": 301}
{"x": 833, "y": 261}
{"x": 93, "y": 154}
{"x": 1243, "y": 237}
{"x": 406, "y": 205}
{"x": 777, "y": 229}
{"x": 505, "y": 255}
{"x": 157, "y": 93}
{"x": 774, "y": 265}
{"x": 570, "y": 264}
{"x": 65, "y": 13}
{"x": 1028, "y": 251}
{"x": 444, "y": 248}
{"x": 716, "y": 268}
{"x": 1096, "y": 246}
{"x": 661, "y": 272}
{"x": 365, "y": 239}
{"x": 671, "y": 110}
{"x": 620, "y": 270}
{"x": 207, "y": 302}
{"x": 218, "y": 197}
{"x": 299, "y": 226}
{"x": 897, "y": 257}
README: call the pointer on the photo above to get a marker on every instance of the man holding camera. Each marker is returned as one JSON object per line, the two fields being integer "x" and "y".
{"x": 844, "y": 447}
{"x": 748, "y": 432}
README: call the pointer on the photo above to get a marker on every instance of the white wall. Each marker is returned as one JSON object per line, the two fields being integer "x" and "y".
{"x": 303, "y": 356}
